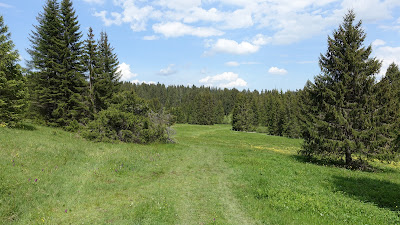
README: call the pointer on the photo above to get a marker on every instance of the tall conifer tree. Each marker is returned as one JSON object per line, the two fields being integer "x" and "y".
{"x": 46, "y": 62}
{"x": 12, "y": 84}
{"x": 386, "y": 138}
{"x": 73, "y": 86}
{"x": 107, "y": 83}
{"x": 91, "y": 60}
{"x": 339, "y": 116}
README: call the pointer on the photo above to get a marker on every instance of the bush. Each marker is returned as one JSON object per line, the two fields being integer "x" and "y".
{"x": 128, "y": 119}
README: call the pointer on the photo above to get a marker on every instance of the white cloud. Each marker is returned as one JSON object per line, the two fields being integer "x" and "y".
{"x": 168, "y": 71}
{"x": 261, "y": 39}
{"x": 116, "y": 18}
{"x": 224, "y": 80}
{"x": 136, "y": 16}
{"x": 277, "y": 71}
{"x": 236, "y": 83}
{"x": 4, "y": 5}
{"x": 150, "y": 38}
{"x": 125, "y": 70}
{"x": 285, "y": 21}
{"x": 232, "y": 63}
{"x": 177, "y": 29}
{"x": 141, "y": 82}
{"x": 233, "y": 47}
{"x": 388, "y": 55}
{"x": 179, "y": 4}
{"x": 378, "y": 42}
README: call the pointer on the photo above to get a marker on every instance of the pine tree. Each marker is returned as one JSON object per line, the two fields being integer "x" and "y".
{"x": 339, "y": 116}
{"x": 242, "y": 114}
{"x": 91, "y": 61}
{"x": 46, "y": 63}
{"x": 73, "y": 86}
{"x": 386, "y": 136}
{"x": 107, "y": 82}
{"x": 12, "y": 84}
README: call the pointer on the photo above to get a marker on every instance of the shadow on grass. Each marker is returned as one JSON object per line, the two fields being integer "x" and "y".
{"x": 24, "y": 126}
{"x": 384, "y": 194}
{"x": 356, "y": 165}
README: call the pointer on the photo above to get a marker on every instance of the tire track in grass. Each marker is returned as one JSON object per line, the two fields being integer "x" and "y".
{"x": 202, "y": 187}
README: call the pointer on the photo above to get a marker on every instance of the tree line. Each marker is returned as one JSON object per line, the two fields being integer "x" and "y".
{"x": 273, "y": 112}
{"x": 344, "y": 114}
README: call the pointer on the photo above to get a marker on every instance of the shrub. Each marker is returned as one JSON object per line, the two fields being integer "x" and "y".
{"x": 128, "y": 119}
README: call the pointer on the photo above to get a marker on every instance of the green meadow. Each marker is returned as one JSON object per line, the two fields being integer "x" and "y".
{"x": 211, "y": 175}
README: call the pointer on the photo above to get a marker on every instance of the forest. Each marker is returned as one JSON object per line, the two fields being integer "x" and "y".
{"x": 72, "y": 81}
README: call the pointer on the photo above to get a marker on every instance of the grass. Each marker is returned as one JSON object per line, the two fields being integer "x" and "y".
{"x": 212, "y": 175}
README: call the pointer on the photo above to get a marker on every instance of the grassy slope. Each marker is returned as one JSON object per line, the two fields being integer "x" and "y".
{"x": 212, "y": 175}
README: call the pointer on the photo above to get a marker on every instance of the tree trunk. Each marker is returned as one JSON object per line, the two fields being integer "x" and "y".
{"x": 349, "y": 159}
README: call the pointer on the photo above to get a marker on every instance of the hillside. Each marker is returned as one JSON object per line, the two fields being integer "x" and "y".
{"x": 211, "y": 175}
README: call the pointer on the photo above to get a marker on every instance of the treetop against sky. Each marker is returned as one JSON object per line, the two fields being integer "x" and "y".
{"x": 255, "y": 44}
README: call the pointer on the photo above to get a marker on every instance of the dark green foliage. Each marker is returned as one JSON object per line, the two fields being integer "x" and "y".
{"x": 341, "y": 103}
{"x": 277, "y": 111}
{"x": 106, "y": 83}
{"x": 205, "y": 110}
{"x": 386, "y": 118}
{"x": 57, "y": 80}
{"x": 92, "y": 64}
{"x": 128, "y": 119}
{"x": 13, "y": 91}
{"x": 243, "y": 114}
{"x": 46, "y": 63}
{"x": 74, "y": 83}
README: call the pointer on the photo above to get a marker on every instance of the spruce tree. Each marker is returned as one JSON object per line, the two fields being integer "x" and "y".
{"x": 91, "y": 61}
{"x": 12, "y": 84}
{"x": 73, "y": 86}
{"x": 107, "y": 82}
{"x": 242, "y": 114}
{"x": 47, "y": 45}
{"x": 339, "y": 117}
{"x": 386, "y": 136}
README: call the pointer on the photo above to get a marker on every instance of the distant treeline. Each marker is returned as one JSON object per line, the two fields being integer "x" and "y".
{"x": 273, "y": 112}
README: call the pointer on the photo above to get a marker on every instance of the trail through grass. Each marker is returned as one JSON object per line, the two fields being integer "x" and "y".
{"x": 212, "y": 175}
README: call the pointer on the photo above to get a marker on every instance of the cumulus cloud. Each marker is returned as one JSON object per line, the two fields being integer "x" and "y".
{"x": 126, "y": 73}
{"x": 388, "y": 55}
{"x": 277, "y": 71}
{"x": 285, "y": 21}
{"x": 141, "y": 82}
{"x": 233, "y": 47}
{"x": 224, "y": 80}
{"x": 168, "y": 71}
{"x": 378, "y": 42}
{"x": 177, "y": 29}
{"x": 261, "y": 39}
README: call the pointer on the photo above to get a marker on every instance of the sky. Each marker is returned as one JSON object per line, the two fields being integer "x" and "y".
{"x": 243, "y": 44}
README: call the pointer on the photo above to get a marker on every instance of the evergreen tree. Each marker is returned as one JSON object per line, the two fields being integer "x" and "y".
{"x": 91, "y": 62}
{"x": 242, "y": 114}
{"x": 107, "y": 81}
{"x": 385, "y": 139}
{"x": 12, "y": 84}
{"x": 47, "y": 44}
{"x": 73, "y": 86}
{"x": 339, "y": 116}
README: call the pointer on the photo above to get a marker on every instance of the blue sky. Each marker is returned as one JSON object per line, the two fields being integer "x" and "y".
{"x": 246, "y": 44}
